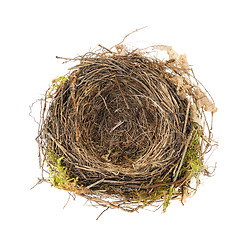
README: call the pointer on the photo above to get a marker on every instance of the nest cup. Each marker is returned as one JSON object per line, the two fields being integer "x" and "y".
{"x": 124, "y": 129}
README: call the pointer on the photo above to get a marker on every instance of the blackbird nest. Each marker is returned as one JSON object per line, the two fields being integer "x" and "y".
{"x": 125, "y": 129}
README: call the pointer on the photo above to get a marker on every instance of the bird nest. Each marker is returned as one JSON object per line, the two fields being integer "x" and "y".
{"x": 126, "y": 130}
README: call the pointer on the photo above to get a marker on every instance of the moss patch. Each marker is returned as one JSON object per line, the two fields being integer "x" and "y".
{"x": 58, "y": 174}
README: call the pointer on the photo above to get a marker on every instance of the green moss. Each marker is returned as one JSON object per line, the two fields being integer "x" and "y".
{"x": 58, "y": 174}
{"x": 167, "y": 198}
{"x": 193, "y": 163}
{"x": 56, "y": 84}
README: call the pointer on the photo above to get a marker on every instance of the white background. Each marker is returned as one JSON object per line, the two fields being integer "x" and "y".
{"x": 213, "y": 34}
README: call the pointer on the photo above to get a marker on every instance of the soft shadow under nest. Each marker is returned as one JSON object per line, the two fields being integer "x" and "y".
{"x": 120, "y": 131}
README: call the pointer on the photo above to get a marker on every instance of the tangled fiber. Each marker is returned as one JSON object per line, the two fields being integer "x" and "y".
{"x": 125, "y": 129}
